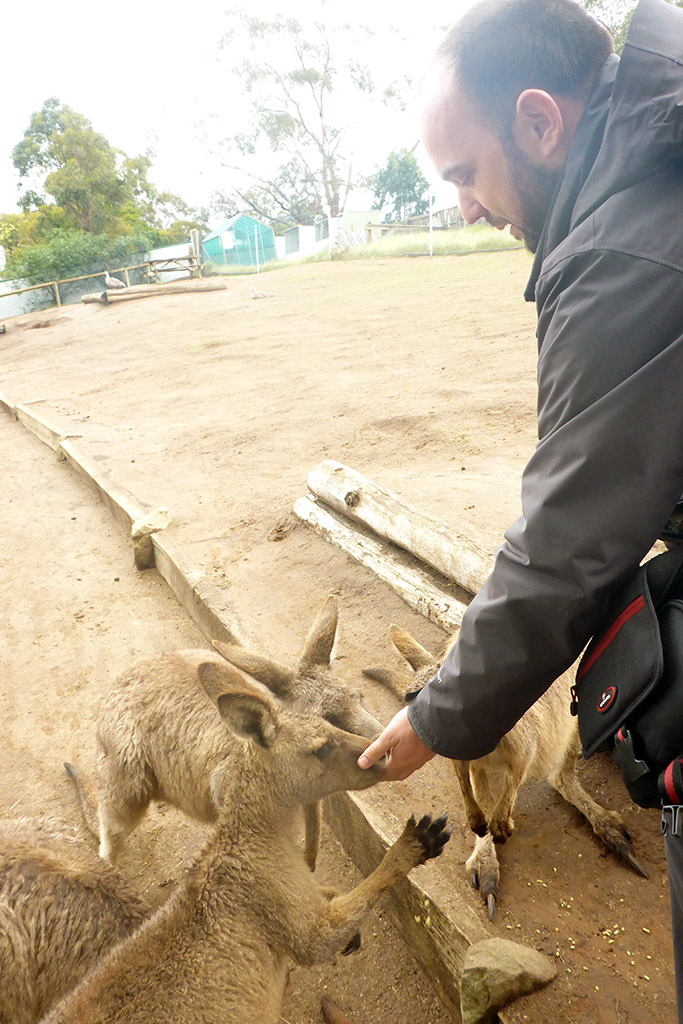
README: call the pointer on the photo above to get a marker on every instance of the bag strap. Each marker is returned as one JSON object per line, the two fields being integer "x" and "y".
{"x": 664, "y": 575}
{"x": 670, "y": 783}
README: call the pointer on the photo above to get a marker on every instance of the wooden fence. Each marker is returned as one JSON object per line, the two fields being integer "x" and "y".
{"x": 82, "y": 277}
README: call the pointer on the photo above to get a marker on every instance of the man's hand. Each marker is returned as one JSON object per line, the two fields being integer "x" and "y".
{"x": 406, "y": 752}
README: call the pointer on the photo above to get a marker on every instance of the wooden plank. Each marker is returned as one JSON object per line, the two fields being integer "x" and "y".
{"x": 7, "y": 406}
{"x": 457, "y": 557}
{"x": 438, "y": 601}
{"x": 123, "y": 505}
{"x": 200, "y": 598}
{"x": 39, "y": 426}
{"x": 203, "y": 601}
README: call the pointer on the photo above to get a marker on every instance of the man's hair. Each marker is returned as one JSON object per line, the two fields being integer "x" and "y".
{"x": 499, "y": 48}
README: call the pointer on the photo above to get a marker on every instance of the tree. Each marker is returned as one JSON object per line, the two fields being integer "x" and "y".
{"x": 302, "y": 84}
{"x": 99, "y": 188}
{"x": 615, "y": 15}
{"x": 103, "y": 206}
{"x": 401, "y": 185}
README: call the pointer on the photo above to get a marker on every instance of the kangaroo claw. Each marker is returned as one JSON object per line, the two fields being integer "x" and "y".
{"x": 352, "y": 945}
{"x": 619, "y": 841}
{"x": 630, "y": 859}
{"x": 491, "y": 902}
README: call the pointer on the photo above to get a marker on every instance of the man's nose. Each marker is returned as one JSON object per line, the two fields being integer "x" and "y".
{"x": 471, "y": 210}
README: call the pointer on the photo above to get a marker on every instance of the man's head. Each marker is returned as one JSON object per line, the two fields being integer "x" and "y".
{"x": 510, "y": 84}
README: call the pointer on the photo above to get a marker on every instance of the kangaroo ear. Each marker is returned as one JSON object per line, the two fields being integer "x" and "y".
{"x": 416, "y": 655}
{"x": 279, "y": 680}
{"x": 248, "y": 716}
{"x": 320, "y": 640}
{"x": 389, "y": 678}
{"x": 217, "y": 677}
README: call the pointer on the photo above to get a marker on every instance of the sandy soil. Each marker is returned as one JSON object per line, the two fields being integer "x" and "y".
{"x": 421, "y": 375}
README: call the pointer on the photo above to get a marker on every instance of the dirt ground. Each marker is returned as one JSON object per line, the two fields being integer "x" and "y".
{"x": 418, "y": 373}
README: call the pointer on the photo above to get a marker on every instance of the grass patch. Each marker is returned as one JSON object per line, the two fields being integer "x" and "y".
{"x": 476, "y": 238}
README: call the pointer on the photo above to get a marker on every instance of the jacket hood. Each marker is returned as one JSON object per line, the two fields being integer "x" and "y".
{"x": 631, "y": 127}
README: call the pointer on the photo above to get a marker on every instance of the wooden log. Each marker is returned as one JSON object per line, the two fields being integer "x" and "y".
{"x": 140, "y": 291}
{"x": 455, "y": 556}
{"x": 437, "y": 601}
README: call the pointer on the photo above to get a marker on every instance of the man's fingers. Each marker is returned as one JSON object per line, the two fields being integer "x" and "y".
{"x": 377, "y": 749}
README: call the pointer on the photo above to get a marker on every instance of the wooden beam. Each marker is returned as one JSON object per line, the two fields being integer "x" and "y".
{"x": 39, "y": 426}
{"x": 456, "y": 556}
{"x": 123, "y": 505}
{"x": 200, "y": 598}
{"x": 437, "y": 600}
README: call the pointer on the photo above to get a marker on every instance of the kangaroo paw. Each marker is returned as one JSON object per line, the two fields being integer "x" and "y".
{"x": 617, "y": 838}
{"x": 478, "y": 826}
{"x": 501, "y": 830}
{"x": 432, "y": 836}
{"x": 484, "y": 873}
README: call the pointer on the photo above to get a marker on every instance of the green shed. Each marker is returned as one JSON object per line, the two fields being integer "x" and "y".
{"x": 240, "y": 241}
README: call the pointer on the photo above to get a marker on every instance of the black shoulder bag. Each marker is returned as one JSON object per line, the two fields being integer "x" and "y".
{"x": 628, "y": 693}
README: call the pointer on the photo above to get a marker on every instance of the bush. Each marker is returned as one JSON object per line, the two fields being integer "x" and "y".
{"x": 69, "y": 253}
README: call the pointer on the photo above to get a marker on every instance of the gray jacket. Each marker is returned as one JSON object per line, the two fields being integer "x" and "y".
{"x": 608, "y": 467}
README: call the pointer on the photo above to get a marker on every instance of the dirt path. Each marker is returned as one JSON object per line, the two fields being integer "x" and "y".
{"x": 419, "y": 374}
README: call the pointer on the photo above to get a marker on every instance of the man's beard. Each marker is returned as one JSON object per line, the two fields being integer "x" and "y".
{"x": 535, "y": 188}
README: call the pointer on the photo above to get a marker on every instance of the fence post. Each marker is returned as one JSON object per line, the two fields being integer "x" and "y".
{"x": 431, "y": 224}
{"x": 56, "y": 288}
{"x": 125, "y": 274}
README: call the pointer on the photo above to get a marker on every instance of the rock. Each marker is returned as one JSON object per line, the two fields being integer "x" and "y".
{"x": 496, "y": 972}
{"x": 141, "y": 533}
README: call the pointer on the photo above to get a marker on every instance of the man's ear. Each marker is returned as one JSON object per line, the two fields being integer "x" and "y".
{"x": 539, "y": 128}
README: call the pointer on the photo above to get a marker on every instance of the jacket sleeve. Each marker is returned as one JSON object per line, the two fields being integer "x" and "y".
{"x": 604, "y": 477}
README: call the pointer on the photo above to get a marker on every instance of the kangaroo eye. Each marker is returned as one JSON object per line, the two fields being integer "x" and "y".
{"x": 324, "y": 751}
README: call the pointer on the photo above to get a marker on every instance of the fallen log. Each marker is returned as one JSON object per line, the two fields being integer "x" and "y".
{"x": 455, "y": 556}
{"x": 439, "y": 603}
{"x": 141, "y": 291}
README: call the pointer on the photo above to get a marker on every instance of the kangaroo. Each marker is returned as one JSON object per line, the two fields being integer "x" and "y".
{"x": 159, "y": 738}
{"x": 61, "y": 909}
{"x": 544, "y": 744}
{"x": 218, "y": 950}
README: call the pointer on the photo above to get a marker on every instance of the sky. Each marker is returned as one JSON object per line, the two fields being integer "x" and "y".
{"x": 149, "y": 76}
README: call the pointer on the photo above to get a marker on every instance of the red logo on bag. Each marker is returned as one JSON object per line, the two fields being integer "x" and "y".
{"x": 607, "y": 698}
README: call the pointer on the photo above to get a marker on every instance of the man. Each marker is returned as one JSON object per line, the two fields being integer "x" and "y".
{"x": 541, "y": 127}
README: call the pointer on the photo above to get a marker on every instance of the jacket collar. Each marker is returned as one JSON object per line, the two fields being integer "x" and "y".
{"x": 582, "y": 155}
